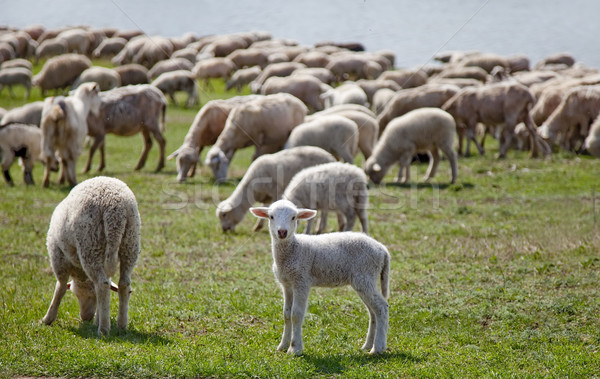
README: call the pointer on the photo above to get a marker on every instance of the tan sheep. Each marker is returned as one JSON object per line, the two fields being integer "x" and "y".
{"x": 305, "y": 87}
{"x": 60, "y": 72}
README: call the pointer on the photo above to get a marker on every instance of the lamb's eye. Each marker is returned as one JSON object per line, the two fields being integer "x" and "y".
{"x": 271, "y": 217}
{"x": 293, "y": 218}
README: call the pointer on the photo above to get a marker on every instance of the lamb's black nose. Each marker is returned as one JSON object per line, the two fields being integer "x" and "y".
{"x": 282, "y": 233}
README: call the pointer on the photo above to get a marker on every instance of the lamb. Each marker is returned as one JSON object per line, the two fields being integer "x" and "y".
{"x": 213, "y": 68}
{"x": 109, "y": 47}
{"x": 204, "y": 131}
{"x": 305, "y": 87}
{"x": 94, "y": 230}
{"x": 30, "y": 114}
{"x": 178, "y": 80}
{"x": 22, "y": 141}
{"x": 333, "y": 133}
{"x": 265, "y": 180}
{"x": 347, "y": 93}
{"x": 265, "y": 123}
{"x": 341, "y": 187}
{"x": 592, "y": 142}
{"x": 170, "y": 64}
{"x": 368, "y": 130}
{"x": 106, "y": 78}
{"x": 132, "y": 73}
{"x": 420, "y": 130}
{"x": 242, "y": 77}
{"x": 61, "y": 71}
{"x": 126, "y": 111}
{"x": 13, "y": 76}
{"x": 64, "y": 128}
{"x": 327, "y": 260}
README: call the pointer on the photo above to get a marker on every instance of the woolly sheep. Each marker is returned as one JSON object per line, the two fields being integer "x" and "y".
{"x": 30, "y": 114}
{"x": 106, "y": 78}
{"x": 265, "y": 123}
{"x": 22, "y": 141}
{"x": 242, "y": 77}
{"x": 13, "y": 76}
{"x": 204, "y": 131}
{"x": 178, "y": 80}
{"x": 64, "y": 128}
{"x": 170, "y": 64}
{"x": 333, "y": 133}
{"x": 347, "y": 93}
{"x": 154, "y": 49}
{"x": 341, "y": 108}
{"x": 406, "y": 78}
{"x": 265, "y": 180}
{"x": 78, "y": 40}
{"x": 381, "y": 98}
{"x": 275, "y": 69}
{"x": 592, "y": 142}
{"x": 61, "y": 71}
{"x": 132, "y": 73}
{"x": 420, "y": 130}
{"x": 305, "y": 87}
{"x": 340, "y": 187}
{"x": 328, "y": 260}
{"x": 323, "y": 74}
{"x": 125, "y": 111}
{"x": 187, "y": 53}
{"x": 109, "y": 47}
{"x": 127, "y": 53}
{"x": 368, "y": 130}
{"x": 17, "y": 62}
{"x": 92, "y": 232}
{"x": 213, "y": 68}
{"x": 249, "y": 57}
{"x": 372, "y": 86}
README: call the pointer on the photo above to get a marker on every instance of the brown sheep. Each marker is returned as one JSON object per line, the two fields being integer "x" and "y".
{"x": 405, "y": 78}
{"x": 60, "y": 72}
{"x": 132, "y": 73}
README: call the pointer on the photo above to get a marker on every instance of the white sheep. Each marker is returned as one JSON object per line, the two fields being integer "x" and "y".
{"x": 213, "y": 68}
{"x": 242, "y": 77}
{"x": 420, "y": 130}
{"x": 106, "y": 78}
{"x": 341, "y": 187}
{"x": 22, "y": 141}
{"x": 347, "y": 93}
{"x": 329, "y": 260}
{"x": 94, "y": 231}
{"x": 30, "y": 113}
{"x": 61, "y": 71}
{"x": 64, "y": 128}
{"x": 305, "y": 87}
{"x": 13, "y": 76}
{"x": 265, "y": 180}
{"x": 178, "y": 80}
{"x": 592, "y": 141}
{"x": 333, "y": 133}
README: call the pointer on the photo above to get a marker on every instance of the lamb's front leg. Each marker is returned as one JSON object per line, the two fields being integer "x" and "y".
{"x": 288, "y": 298}
{"x": 298, "y": 309}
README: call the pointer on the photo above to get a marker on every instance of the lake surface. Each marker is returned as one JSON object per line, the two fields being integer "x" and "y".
{"x": 415, "y": 30}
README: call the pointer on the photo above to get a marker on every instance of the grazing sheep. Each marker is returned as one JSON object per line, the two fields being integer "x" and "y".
{"x": 170, "y": 64}
{"x": 592, "y": 142}
{"x": 347, "y": 93}
{"x": 64, "y": 128}
{"x": 333, "y": 133}
{"x": 94, "y": 230}
{"x": 345, "y": 65}
{"x": 328, "y": 260}
{"x": 313, "y": 58}
{"x": 30, "y": 114}
{"x": 17, "y": 62}
{"x": 463, "y": 72}
{"x": 78, "y": 40}
{"x": 105, "y": 77}
{"x": 275, "y": 69}
{"x": 305, "y": 87}
{"x": 13, "y": 76}
{"x": 187, "y": 53}
{"x": 60, "y": 72}
{"x": 558, "y": 58}
{"x": 265, "y": 180}
{"x": 372, "y": 86}
{"x": 420, "y": 130}
{"x": 22, "y": 141}
{"x": 381, "y": 98}
{"x": 486, "y": 61}
{"x": 126, "y": 111}
{"x": 213, "y": 68}
{"x": 109, "y": 47}
{"x": 407, "y": 78}
{"x": 249, "y": 57}
{"x": 178, "y": 80}
{"x": 340, "y": 187}
{"x": 323, "y": 74}
{"x": 154, "y": 49}
{"x": 341, "y": 108}
{"x": 242, "y": 77}
{"x": 127, "y": 53}
{"x": 265, "y": 122}
{"x": 132, "y": 73}
{"x": 368, "y": 130}
{"x": 204, "y": 131}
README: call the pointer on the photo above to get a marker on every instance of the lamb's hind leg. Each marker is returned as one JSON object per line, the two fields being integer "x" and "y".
{"x": 287, "y": 319}
{"x": 161, "y": 145}
{"x": 59, "y": 291}
{"x": 378, "y": 314}
{"x": 147, "y": 146}
{"x": 434, "y": 160}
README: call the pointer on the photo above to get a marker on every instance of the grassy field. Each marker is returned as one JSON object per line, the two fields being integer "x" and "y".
{"x": 495, "y": 276}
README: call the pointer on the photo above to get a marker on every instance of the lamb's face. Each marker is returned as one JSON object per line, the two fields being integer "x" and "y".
{"x": 283, "y": 218}
{"x": 218, "y": 163}
{"x": 226, "y": 216}
{"x": 87, "y": 299}
{"x": 373, "y": 170}
{"x": 186, "y": 159}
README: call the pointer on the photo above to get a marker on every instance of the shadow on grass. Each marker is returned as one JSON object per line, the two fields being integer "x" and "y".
{"x": 339, "y": 363}
{"x": 89, "y": 330}
{"x": 423, "y": 185}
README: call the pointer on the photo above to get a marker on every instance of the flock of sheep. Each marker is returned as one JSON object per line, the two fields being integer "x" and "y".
{"x": 310, "y": 108}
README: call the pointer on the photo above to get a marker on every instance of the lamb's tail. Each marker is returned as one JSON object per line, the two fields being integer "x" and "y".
{"x": 385, "y": 276}
{"x": 163, "y": 116}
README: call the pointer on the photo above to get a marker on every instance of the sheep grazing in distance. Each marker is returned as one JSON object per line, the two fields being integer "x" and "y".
{"x": 126, "y": 111}
{"x": 170, "y": 64}
{"x": 178, "y": 80}
{"x": 109, "y": 47}
{"x": 420, "y": 130}
{"x": 249, "y": 57}
{"x": 265, "y": 181}
{"x": 15, "y": 76}
{"x": 204, "y": 131}
{"x": 265, "y": 122}
{"x": 30, "y": 113}
{"x": 333, "y": 133}
{"x": 93, "y": 232}
{"x": 329, "y": 260}
{"x": 347, "y": 93}
{"x": 23, "y": 142}
{"x": 381, "y": 98}
{"x": 406, "y": 78}
{"x": 132, "y": 73}
{"x": 592, "y": 142}
{"x": 275, "y": 69}
{"x": 242, "y": 77}
{"x": 368, "y": 129}
{"x": 339, "y": 187}
{"x": 342, "y": 108}
{"x": 64, "y": 128}
{"x": 17, "y": 62}
{"x": 106, "y": 78}
{"x": 305, "y": 87}
{"x": 60, "y": 72}
{"x": 372, "y": 86}
{"x": 323, "y": 74}
{"x": 213, "y": 68}
{"x": 152, "y": 50}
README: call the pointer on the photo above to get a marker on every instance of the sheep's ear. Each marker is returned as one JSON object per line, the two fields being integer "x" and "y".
{"x": 260, "y": 212}
{"x": 224, "y": 207}
{"x": 306, "y": 214}
{"x": 173, "y": 155}
{"x": 376, "y": 167}
{"x": 114, "y": 287}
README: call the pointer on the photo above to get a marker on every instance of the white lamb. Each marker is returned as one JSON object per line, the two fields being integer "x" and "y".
{"x": 94, "y": 231}
{"x": 265, "y": 180}
{"x": 336, "y": 186}
{"x": 22, "y": 141}
{"x": 420, "y": 130}
{"x": 333, "y": 133}
{"x": 592, "y": 142}
{"x": 328, "y": 260}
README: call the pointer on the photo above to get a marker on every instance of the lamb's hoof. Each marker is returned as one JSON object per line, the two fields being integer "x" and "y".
{"x": 295, "y": 351}
{"x": 376, "y": 351}
{"x": 366, "y": 347}
{"x": 282, "y": 347}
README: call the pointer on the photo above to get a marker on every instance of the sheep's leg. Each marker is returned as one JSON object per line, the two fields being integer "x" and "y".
{"x": 27, "y": 92}
{"x": 97, "y": 142}
{"x": 452, "y": 158}
{"x": 309, "y": 223}
{"x": 361, "y": 211}
{"x": 404, "y": 161}
{"x": 147, "y": 146}
{"x": 70, "y": 171}
{"x": 346, "y": 156}
{"x": 46, "y": 179}
{"x": 102, "y": 289}
{"x": 508, "y": 133}
{"x": 378, "y": 310}
{"x": 102, "y": 155}
{"x": 322, "y": 222}
{"x": 288, "y": 297}
{"x": 434, "y": 161}
{"x": 124, "y": 295}
{"x": 260, "y": 223}
{"x": 341, "y": 221}
{"x": 8, "y": 157}
{"x": 472, "y": 136}
{"x": 59, "y": 291}
{"x": 172, "y": 96}
{"x": 27, "y": 169}
{"x": 161, "y": 145}
{"x": 300, "y": 301}
{"x": 11, "y": 92}
{"x": 350, "y": 217}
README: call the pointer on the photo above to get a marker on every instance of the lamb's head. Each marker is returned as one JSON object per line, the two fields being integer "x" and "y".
{"x": 84, "y": 290}
{"x": 89, "y": 93}
{"x": 374, "y": 170}
{"x": 283, "y": 218}
{"x": 187, "y": 157}
{"x": 228, "y": 215}
{"x": 218, "y": 163}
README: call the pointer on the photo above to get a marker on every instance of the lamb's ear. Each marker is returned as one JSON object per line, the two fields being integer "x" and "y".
{"x": 260, "y": 212}
{"x": 376, "y": 167}
{"x": 114, "y": 287}
{"x": 173, "y": 155}
{"x": 306, "y": 214}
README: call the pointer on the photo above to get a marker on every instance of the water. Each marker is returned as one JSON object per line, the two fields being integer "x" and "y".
{"x": 415, "y": 30}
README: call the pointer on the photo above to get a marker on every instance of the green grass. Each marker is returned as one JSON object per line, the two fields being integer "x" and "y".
{"x": 495, "y": 276}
